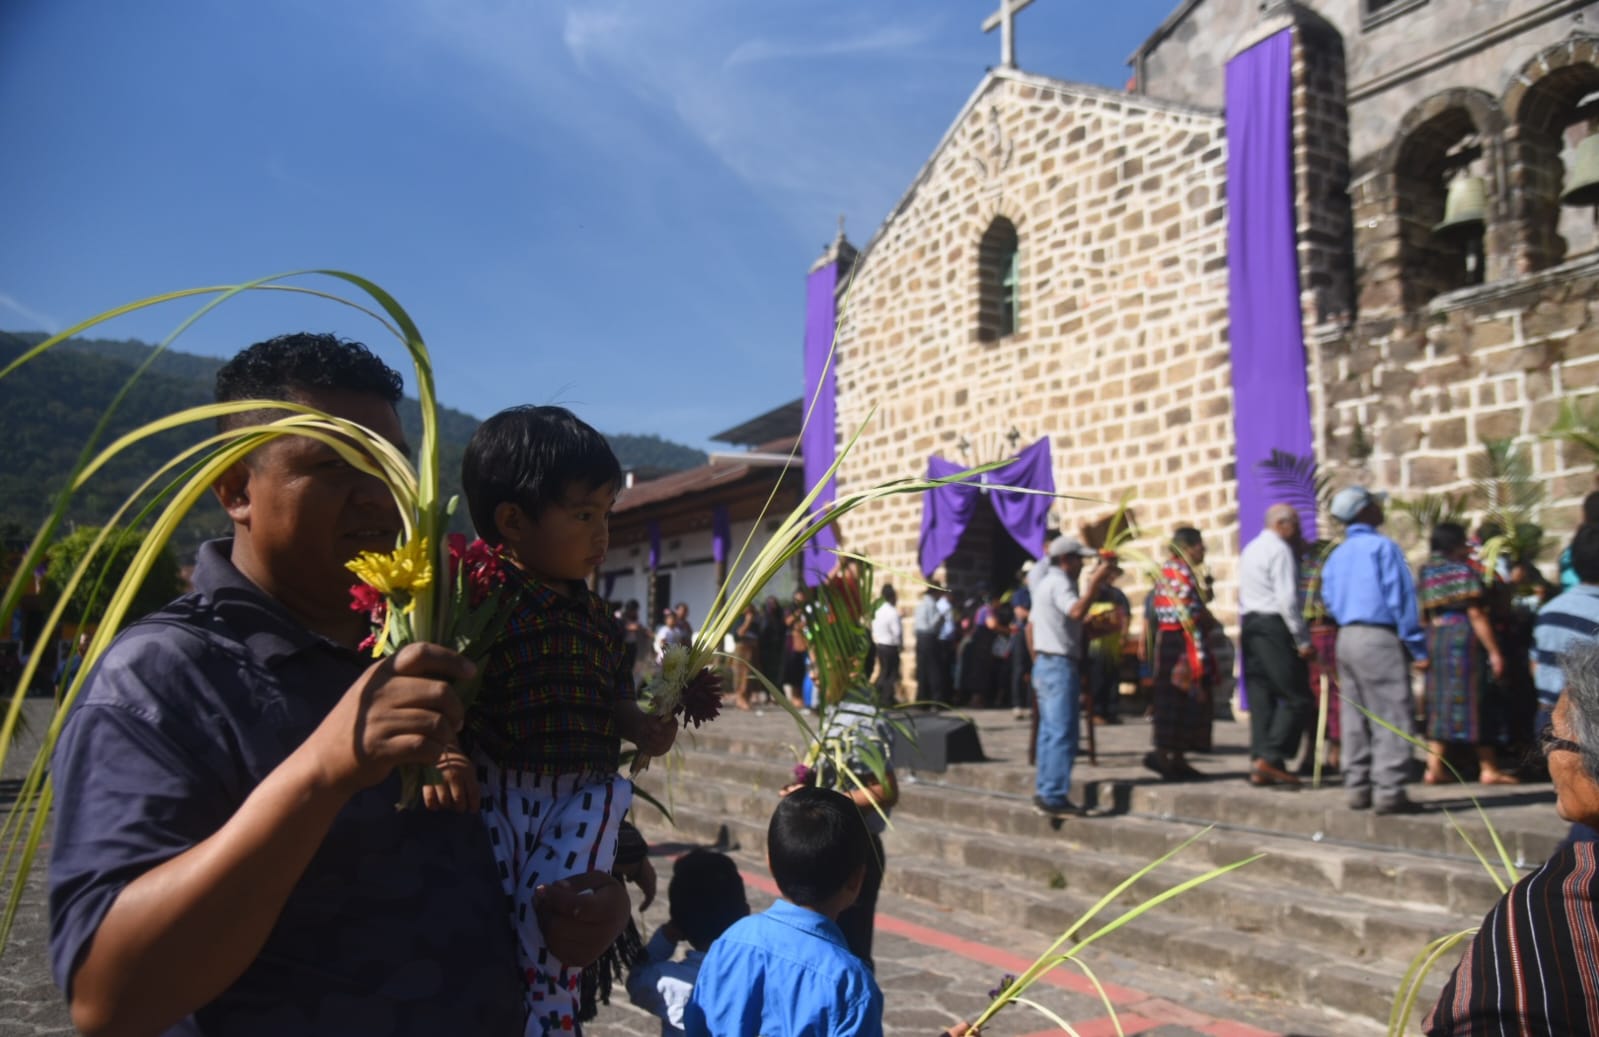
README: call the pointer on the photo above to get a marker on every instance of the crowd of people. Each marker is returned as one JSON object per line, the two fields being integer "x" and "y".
{"x": 228, "y": 857}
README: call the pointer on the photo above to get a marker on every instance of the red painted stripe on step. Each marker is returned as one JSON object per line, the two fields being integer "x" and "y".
{"x": 1103, "y": 1027}
{"x": 1076, "y": 982}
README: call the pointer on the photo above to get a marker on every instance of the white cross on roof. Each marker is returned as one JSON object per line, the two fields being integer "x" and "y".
{"x": 1004, "y": 19}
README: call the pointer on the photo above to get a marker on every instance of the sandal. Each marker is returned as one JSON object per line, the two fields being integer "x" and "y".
{"x": 1499, "y": 778}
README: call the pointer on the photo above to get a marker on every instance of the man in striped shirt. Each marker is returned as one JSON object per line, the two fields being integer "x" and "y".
{"x": 1570, "y": 618}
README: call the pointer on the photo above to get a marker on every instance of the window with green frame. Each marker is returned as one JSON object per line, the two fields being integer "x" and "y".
{"x": 999, "y": 282}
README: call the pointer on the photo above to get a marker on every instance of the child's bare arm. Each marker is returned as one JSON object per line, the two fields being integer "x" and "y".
{"x": 459, "y": 790}
{"x": 652, "y": 734}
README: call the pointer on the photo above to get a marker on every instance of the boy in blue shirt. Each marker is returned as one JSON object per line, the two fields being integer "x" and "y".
{"x": 816, "y": 848}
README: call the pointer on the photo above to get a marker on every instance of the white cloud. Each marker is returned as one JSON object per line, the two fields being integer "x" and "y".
{"x": 891, "y": 38}
{"x": 28, "y": 313}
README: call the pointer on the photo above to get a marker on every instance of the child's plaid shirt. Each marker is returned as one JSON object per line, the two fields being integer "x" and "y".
{"x": 551, "y": 684}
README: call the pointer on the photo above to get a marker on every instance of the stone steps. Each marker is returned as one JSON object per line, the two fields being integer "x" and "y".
{"x": 1235, "y": 949}
{"x": 1330, "y": 917}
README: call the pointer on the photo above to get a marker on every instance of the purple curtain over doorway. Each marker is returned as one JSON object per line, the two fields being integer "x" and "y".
{"x": 654, "y": 529}
{"x": 1271, "y": 400}
{"x": 819, "y": 443}
{"x": 947, "y": 510}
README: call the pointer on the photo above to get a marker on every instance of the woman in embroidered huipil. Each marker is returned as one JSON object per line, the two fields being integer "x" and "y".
{"x": 1184, "y": 671}
{"x": 1461, "y": 645}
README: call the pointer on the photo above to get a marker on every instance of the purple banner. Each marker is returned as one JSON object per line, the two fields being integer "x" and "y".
{"x": 655, "y": 544}
{"x": 947, "y": 510}
{"x": 721, "y": 533}
{"x": 819, "y": 444}
{"x": 1271, "y": 403}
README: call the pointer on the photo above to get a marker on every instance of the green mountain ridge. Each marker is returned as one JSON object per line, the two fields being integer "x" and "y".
{"x": 49, "y": 406}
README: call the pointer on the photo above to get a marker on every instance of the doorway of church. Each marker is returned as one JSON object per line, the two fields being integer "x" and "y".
{"x": 987, "y": 559}
{"x": 984, "y": 566}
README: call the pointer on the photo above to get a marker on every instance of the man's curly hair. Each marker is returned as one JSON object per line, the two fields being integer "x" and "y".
{"x": 287, "y": 367}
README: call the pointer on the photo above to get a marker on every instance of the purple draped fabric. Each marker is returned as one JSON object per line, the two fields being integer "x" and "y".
{"x": 819, "y": 443}
{"x": 721, "y": 533}
{"x": 947, "y": 510}
{"x": 1271, "y": 402}
{"x": 655, "y": 545}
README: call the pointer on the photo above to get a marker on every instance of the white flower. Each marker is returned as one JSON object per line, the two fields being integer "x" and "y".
{"x": 664, "y": 691}
{"x": 675, "y": 666}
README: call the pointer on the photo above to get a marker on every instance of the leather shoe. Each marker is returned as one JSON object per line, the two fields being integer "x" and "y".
{"x": 1402, "y": 805}
{"x": 1267, "y": 773}
{"x": 1065, "y": 808}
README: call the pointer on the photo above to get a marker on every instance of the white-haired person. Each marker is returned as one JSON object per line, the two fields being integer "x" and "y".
{"x": 1530, "y": 968}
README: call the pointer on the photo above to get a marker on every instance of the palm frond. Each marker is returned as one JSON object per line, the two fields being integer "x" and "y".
{"x": 1298, "y": 478}
{"x": 1578, "y": 424}
{"x": 1430, "y": 510}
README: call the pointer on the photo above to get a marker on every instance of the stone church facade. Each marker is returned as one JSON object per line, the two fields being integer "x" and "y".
{"x": 1059, "y": 268}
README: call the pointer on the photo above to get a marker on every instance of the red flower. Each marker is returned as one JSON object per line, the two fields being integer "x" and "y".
{"x": 365, "y": 599}
{"x": 702, "y": 699}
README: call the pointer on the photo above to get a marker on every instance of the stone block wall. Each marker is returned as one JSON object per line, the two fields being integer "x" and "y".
{"x": 1121, "y": 357}
{"x": 1493, "y": 361}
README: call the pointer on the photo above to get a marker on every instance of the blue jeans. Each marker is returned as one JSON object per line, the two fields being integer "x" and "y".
{"x": 1057, "y": 687}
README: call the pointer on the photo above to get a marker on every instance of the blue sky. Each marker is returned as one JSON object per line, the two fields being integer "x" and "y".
{"x": 610, "y": 205}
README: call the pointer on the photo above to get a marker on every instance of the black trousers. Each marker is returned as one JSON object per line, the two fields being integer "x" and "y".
{"x": 887, "y": 673}
{"x": 859, "y": 919}
{"x": 1278, "y": 684}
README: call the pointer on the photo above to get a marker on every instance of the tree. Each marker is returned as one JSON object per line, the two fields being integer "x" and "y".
{"x": 86, "y": 606}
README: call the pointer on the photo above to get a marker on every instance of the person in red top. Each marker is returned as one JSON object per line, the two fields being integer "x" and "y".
{"x": 1184, "y": 672}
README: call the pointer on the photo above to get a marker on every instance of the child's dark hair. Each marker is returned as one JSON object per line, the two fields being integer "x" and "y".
{"x": 816, "y": 843}
{"x": 706, "y": 896}
{"x": 285, "y": 367}
{"x": 531, "y": 456}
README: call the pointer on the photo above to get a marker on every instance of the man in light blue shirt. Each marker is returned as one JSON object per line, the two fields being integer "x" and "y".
{"x": 788, "y": 971}
{"x": 1369, "y": 592}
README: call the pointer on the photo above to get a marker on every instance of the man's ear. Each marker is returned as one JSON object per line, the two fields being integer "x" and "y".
{"x": 232, "y": 490}
{"x": 511, "y": 521}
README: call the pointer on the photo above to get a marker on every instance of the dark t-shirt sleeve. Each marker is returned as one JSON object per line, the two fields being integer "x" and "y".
{"x": 135, "y": 785}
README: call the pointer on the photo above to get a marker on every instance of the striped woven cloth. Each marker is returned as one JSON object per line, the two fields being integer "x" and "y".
{"x": 1534, "y": 966}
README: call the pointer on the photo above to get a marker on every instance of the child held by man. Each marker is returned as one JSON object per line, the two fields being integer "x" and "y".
{"x": 543, "y": 739}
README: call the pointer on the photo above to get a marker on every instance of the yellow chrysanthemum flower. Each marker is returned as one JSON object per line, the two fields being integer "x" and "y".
{"x": 407, "y": 570}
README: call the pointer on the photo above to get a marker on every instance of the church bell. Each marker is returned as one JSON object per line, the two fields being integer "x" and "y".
{"x": 1465, "y": 207}
{"x": 1582, "y": 185}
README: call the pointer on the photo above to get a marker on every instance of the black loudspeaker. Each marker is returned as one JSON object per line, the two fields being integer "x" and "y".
{"x": 940, "y": 739}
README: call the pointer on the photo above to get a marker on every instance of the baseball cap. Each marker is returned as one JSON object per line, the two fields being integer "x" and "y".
{"x": 1351, "y": 501}
{"x": 1062, "y": 546}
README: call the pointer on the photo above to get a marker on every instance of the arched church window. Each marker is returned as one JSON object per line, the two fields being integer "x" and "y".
{"x": 1442, "y": 192}
{"x": 1556, "y": 164}
{"x": 999, "y": 282}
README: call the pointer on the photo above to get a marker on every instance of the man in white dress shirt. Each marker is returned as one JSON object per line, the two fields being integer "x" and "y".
{"x": 1276, "y": 645}
{"x": 888, "y": 637}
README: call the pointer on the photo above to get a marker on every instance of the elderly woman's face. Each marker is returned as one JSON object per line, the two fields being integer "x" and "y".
{"x": 1577, "y": 794}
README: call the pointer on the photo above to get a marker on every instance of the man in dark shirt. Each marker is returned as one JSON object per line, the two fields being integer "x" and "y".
{"x": 228, "y": 858}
